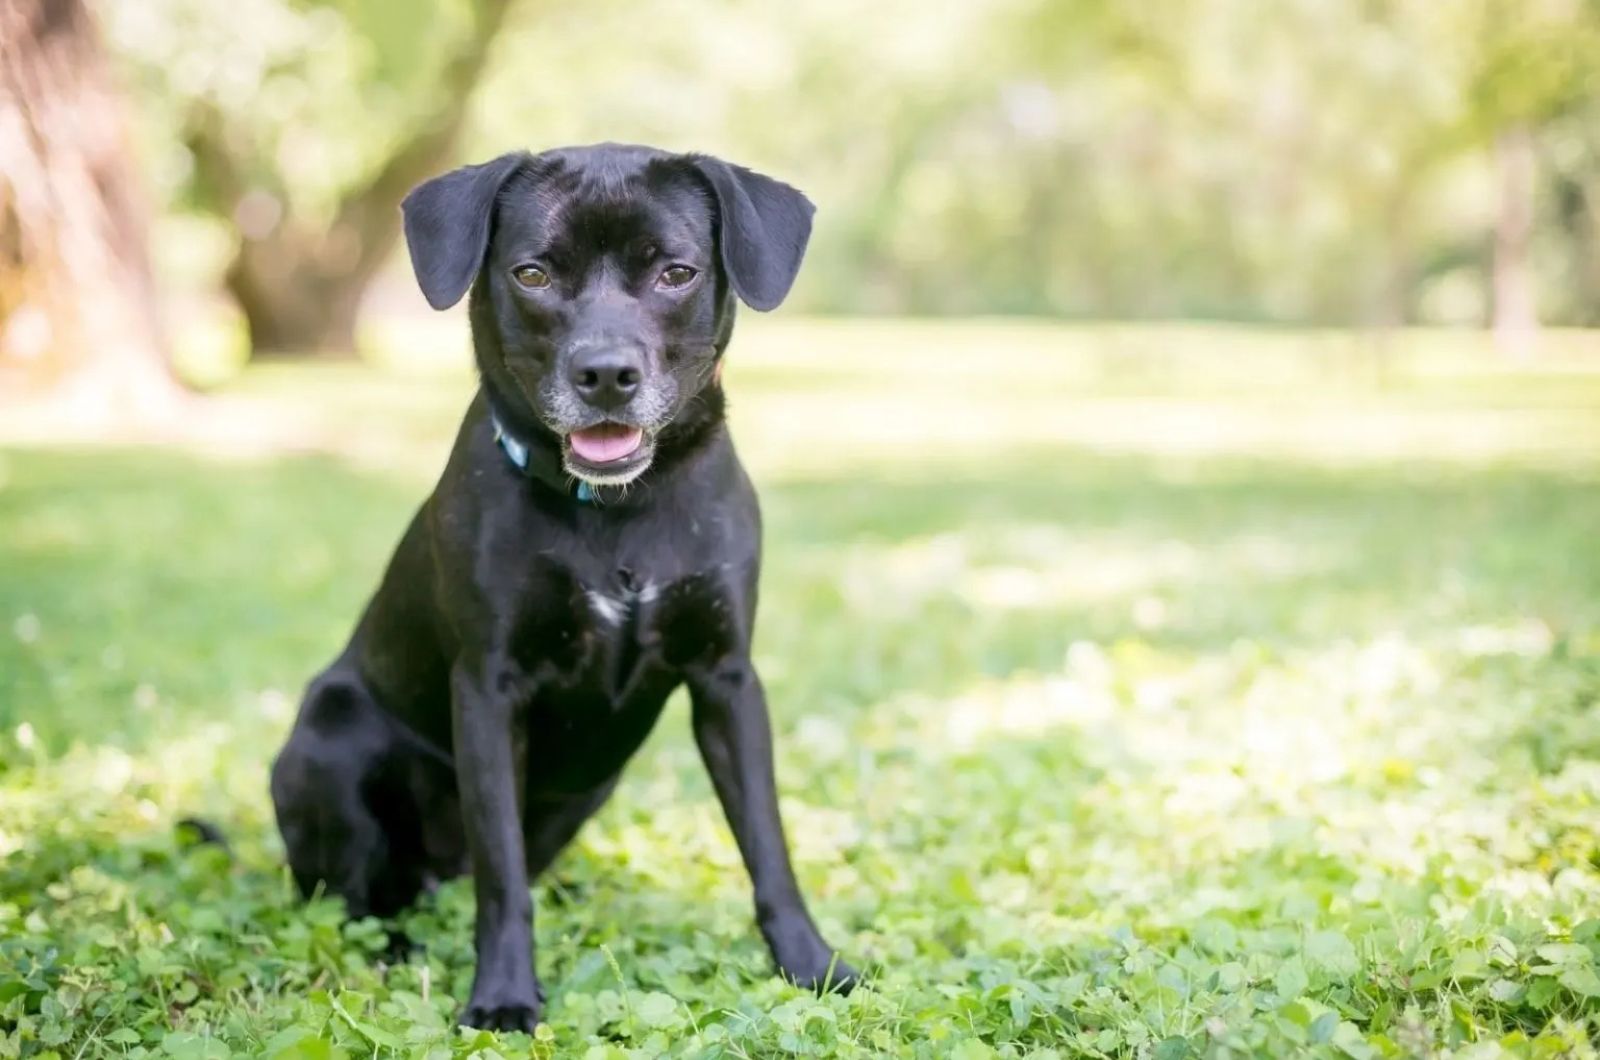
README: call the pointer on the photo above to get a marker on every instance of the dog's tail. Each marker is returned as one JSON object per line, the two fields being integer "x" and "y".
{"x": 197, "y": 832}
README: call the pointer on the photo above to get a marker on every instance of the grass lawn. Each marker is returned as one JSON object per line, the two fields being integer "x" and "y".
{"x": 1140, "y": 692}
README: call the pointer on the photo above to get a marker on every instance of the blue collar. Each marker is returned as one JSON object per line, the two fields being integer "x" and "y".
{"x": 522, "y": 458}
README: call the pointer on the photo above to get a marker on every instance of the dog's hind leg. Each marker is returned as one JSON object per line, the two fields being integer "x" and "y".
{"x": 338, "y": 790}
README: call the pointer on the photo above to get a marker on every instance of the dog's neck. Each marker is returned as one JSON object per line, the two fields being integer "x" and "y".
{"x": 541, "y": 464}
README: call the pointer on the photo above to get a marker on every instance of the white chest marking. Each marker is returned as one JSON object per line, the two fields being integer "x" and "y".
{"x": 612, "y": 610}
{"x": 609, "y": 609}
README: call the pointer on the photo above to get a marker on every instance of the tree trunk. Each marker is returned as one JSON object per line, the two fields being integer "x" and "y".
{"x": 1397, "y": 281}
{"x": 78, "y": 311}
{"x": 294, "y": 298}
{"x": 1516, "y": 320}
{"x": 1578, "y": 205}
{"x": 300, "y": 287}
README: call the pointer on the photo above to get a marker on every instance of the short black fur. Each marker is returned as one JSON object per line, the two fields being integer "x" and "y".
{"x": 523, "y": 642}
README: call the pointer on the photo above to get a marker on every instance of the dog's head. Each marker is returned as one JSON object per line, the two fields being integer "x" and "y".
{"x": 603, "y": 282}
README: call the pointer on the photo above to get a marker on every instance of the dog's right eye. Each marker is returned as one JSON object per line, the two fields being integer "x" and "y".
{"x": 531, "y": 277}
{"x": 676, "y": 276}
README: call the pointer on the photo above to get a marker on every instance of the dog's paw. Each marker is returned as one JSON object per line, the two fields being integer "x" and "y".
{"x": 501, "y": 1017}
{"x": 504, "y": 1014}
{"x": 804, "y": 957}
{"x": 834, "y": 976}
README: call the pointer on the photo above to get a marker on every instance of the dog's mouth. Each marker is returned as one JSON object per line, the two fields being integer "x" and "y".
{"x": 607, "y": 453}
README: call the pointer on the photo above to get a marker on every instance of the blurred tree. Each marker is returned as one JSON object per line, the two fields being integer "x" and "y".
{"x": 1516, "y": 310}
{"x": 1531, "y": 62}
{"x": 1312, "y": 161}
{"x": 305, "y": 126}
{"x": 1574, "y": 211}
{"x": 77, "y": 301}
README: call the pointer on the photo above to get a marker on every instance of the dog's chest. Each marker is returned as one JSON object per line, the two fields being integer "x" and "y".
{"x": 604, "y": 655}
{"x": 599, "y": 640}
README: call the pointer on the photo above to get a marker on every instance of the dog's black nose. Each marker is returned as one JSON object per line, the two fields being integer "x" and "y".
{"x": 606, "y": 378}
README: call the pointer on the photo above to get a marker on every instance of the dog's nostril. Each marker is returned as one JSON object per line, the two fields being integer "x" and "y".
{"x": 628, "y": 377}
{"x": 589, "y": 379}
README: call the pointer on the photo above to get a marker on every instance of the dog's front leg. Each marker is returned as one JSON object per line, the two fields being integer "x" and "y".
{"x": 491, "y": 749}
{"x": 735, "y": 739}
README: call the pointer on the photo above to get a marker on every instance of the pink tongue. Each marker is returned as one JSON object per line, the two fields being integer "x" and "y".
{"x": 605, "y": 443}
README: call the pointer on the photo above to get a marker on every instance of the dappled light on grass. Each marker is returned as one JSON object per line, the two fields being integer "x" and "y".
{"x": 1042, "y": 567}
{"x": 1082, "y": 747}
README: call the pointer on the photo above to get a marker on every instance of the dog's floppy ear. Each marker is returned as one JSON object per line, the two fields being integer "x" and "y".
{"x": 764, "y": 224}
{"x": 447, "y": 226}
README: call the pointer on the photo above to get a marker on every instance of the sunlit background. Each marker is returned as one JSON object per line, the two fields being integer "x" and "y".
{"x": 1181, "y": 462}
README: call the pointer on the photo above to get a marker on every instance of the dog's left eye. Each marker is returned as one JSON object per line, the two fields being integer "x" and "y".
{"x": 677, "y": 276}
{"x": 531, "y": 276}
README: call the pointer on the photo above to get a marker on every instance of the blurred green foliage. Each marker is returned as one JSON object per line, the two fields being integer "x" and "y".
{"x": 313, "y": 93}
{"x": 1312, "y": 160}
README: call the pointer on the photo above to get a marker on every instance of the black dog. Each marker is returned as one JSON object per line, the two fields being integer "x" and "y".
{"x": 593, "y": 543}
